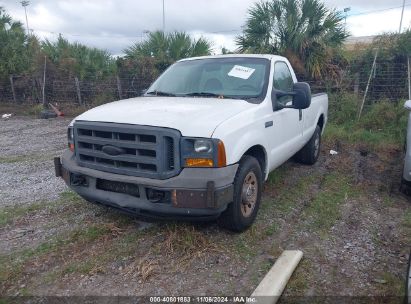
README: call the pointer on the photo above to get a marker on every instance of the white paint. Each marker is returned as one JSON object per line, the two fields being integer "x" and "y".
{"x": 242, "y": 72}
{"x": 239, "y": 124}
{"x": 196, "y": 117}
{"x": 273, "y": 284}
{"x": 287, "y": 135}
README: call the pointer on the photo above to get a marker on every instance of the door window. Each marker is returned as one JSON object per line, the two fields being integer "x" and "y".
{"x": 283, "y": 81}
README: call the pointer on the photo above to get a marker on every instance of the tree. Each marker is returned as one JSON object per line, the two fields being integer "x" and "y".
{"x": 14, "y": 55}
{"x": 168, "y": 48}
{"x": 79, "y": 60}
{"x": 304, "y": 31}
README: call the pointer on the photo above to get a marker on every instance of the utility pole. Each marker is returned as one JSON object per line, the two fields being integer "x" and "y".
{"x": 26, "y": 3}
{"x": 164, "y": 19}
{"x": 402, "y": 15}
{"x": 346, "y": 10}
{"x": 145, "y": 32}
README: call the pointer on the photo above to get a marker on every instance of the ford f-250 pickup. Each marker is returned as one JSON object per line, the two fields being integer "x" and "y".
{"x": 199, "y": 143}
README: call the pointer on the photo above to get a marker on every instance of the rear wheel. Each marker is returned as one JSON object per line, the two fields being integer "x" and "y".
{"x": 408, "y": 283}
{"x": 241, "y": 213}
{"x": 311, "y": 151}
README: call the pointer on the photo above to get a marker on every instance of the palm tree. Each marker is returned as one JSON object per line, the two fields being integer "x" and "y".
{"x": 305, "y": 31}
{"x": 80, "y": 60}
{"x": 14, "y": 54}
{"x": 167, "y": 48}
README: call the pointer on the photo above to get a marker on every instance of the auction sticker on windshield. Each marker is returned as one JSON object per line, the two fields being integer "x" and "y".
{"x": 241, "y": 72}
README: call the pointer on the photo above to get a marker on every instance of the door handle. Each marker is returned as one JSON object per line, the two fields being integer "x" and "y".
{"x": 269, "y": 124}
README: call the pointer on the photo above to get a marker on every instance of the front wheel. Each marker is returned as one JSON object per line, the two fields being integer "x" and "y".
{"x": 241, "y": 213}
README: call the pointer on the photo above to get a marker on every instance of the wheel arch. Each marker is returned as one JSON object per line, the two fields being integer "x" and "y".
{"x": 321, "y": 122}
{"x": 259, "y": 153}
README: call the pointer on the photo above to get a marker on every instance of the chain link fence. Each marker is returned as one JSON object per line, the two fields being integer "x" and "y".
{"x": 387, "y": 81}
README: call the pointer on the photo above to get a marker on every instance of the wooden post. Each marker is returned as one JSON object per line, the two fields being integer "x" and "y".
{"x": 409, "y": 78}
{"x": 44, "y": 82}
{"x": 120, "y": 92}
{"x": 368, "y": 84}
{"x": 78, "y": 90}
{"x": 12, "y": 89}
{"x": 356, "y": 83}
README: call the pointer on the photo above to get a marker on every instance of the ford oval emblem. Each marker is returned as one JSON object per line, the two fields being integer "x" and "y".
{"x": 113, "y": 151}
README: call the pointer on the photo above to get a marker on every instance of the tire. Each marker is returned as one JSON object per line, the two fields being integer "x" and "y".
{"x": 239, "y": 216}
{"x": 311, "y": 151}
{"x": 408, "y": 283}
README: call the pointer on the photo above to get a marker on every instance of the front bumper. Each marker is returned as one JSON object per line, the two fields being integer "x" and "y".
{"x": 194, "y": 193}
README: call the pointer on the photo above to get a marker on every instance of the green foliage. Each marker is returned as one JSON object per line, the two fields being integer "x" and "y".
{"x": 102, "y": 98}
{"x": 142, "y": 68}
{"x": 304, "y": 31}
{"x": 343, "y": 108}
{"x": 168, "y": 48}
{"x": 15, "y": 56}
{"x": 325, "y": 208}
{"x": 386, "y": 116}
{"x": 390, "y": 76}
{"x": 79, "y": 60}
{"x": 380, "y": 124}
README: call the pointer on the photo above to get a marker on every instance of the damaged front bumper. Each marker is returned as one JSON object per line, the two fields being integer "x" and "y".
{"x": 195, "y": 193}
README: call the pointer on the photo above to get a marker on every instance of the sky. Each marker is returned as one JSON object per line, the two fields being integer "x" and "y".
{"x": 115, "y": 25}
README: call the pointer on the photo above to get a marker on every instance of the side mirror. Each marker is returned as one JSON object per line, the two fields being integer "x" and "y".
{"x": 407, "y": 105}
{"x": 301, "y": 96}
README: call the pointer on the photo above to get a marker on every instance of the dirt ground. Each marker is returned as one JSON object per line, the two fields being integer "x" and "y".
{"x": 345, "y": 213}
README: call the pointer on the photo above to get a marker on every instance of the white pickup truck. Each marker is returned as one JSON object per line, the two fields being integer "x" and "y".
{"x": 201, "y": 141}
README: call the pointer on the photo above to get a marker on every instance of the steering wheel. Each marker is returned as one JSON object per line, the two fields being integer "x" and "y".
{"x": 247, "y": 87}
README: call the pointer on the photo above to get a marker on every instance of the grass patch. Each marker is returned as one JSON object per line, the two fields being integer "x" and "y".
{"x": 124, "y": 247}
{"x": 9, "y": 214}
{"x": 324, "y": 209}
{"x": 392, "y": 286}
{"x": 244, "y": 243}
{"x": 24, "y": 158}
{"x": 278, "y": 175}
{"x": 288, "y": 196}
{"x": 12, "y": 265}
{"x": 34, "y": 110}
{"x": 271, "y": 229}
{"x": 406, "y": 223}
{"x": 382, "y": 123}
{"x": 12, "y": 213}
{"x": 186, "y": 243}
{"x": 298, "y": 283}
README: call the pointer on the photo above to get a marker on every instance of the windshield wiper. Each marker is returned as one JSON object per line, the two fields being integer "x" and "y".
{"x": 205, "y": 94}
{"x": 209, "y": 94}
{"x": 160, "y": 93}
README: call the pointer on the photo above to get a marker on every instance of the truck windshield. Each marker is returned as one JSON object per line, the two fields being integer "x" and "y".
{"x": 231, "y": 77}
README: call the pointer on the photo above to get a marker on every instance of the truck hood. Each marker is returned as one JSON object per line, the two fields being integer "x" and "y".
{"x": 197, "y": 117}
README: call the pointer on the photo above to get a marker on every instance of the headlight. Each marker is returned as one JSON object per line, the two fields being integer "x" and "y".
{"x": 203, "y": 146}
{"x": 70, "y": 134}
{"x": 70, "y": 138}
{"x": 202, "y": 153}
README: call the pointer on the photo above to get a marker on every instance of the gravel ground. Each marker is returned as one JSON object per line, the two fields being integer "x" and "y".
{"x": 66, "y": 246}
{"x": 27, "y": 148}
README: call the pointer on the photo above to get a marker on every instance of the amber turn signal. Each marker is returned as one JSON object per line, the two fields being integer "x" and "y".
{"x": 222, "y": 161}
{"x": 199, "y": 162}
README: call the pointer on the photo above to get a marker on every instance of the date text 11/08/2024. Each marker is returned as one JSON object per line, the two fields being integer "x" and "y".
{"x": 204, "y": 299}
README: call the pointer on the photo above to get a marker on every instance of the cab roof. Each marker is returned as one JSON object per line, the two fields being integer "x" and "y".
{"x": 263, "y": 56}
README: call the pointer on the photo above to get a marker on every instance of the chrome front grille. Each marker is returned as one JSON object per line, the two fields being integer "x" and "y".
{"x": 151, "y": 152}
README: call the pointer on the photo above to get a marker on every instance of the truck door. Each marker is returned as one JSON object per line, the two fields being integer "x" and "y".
{"x": 285, "y": 133}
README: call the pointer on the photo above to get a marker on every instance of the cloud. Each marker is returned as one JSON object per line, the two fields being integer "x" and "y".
{"x": 114, "y": 25}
